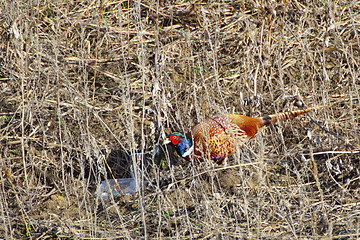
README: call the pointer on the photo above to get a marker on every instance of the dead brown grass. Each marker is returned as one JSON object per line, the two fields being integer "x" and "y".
{"x": 89, "y": 88}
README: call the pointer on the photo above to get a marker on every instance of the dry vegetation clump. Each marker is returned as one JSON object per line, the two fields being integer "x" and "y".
{"x": 90, "y": 88}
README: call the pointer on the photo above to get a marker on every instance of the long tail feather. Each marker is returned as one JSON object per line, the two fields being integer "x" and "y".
{"x": 274, "y": 118}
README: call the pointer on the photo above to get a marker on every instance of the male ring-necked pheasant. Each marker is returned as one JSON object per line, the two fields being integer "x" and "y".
{"x": 217, "y": 137}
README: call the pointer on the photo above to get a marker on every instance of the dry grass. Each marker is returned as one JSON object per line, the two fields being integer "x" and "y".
{"x": 88, "y": 86}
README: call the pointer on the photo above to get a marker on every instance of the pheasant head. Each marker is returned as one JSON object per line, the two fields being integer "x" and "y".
{"x": 183, "y": 145}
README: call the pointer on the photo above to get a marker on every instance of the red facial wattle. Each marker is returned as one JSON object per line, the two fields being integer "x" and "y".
{"x": 174, "y": 139}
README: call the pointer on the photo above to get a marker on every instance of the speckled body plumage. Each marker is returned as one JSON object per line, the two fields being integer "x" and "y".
{"x": 219, "y": 136}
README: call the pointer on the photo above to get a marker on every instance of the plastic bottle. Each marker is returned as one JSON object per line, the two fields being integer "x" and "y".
{"x": 122, "y": 186}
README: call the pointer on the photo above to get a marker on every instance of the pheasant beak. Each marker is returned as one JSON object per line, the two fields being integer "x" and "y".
{"x": 166, "y": 141}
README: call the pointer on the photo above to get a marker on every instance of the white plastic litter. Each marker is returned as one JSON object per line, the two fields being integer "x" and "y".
{"x": 122, "y": 186}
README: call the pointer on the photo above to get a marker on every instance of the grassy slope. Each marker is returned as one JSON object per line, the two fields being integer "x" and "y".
{"x": 82, "y": 79}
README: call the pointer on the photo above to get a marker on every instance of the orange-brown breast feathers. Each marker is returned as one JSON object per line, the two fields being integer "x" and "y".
{"x": 217, "y": 137}
{"x": 211, "y": 141}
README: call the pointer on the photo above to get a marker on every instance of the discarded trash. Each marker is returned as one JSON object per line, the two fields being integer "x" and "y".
{"x": 122, "y": 186}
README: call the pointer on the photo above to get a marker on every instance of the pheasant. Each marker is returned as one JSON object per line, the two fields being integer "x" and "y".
{"x": 216, "y": 138}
